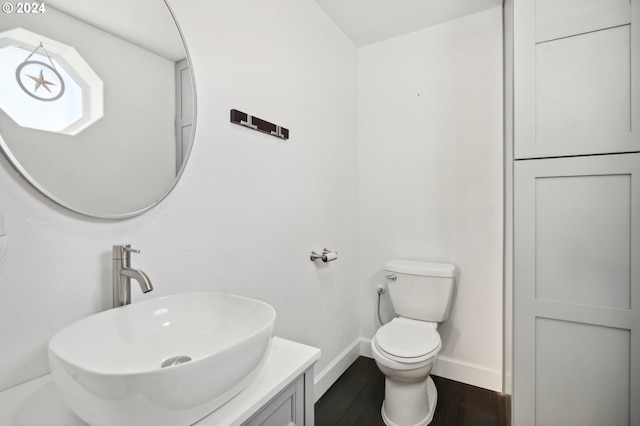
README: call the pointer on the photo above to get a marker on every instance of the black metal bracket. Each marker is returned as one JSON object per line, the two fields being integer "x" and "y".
{"x": 255, "y": 123}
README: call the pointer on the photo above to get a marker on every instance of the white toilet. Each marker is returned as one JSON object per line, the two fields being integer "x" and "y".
{"x": 406, "y": 347}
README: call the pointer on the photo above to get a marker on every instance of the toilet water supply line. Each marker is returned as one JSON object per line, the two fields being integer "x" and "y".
{"x": 380, "y": 292}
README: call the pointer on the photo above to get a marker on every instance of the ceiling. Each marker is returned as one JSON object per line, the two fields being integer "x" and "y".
{"x": 370, "y": 21}
{"x": 146, "y": 22}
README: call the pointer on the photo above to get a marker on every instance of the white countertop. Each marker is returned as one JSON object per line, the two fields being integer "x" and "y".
{"x": 37, "y": 402}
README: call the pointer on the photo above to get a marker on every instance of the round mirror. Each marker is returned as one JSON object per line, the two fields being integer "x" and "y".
{"x": 97, "y": 105}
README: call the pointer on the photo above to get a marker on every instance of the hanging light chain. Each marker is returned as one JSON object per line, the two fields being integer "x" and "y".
{"x": 41, "y": 46}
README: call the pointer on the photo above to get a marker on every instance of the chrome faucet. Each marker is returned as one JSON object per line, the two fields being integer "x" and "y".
{"x": 122, "y": 274}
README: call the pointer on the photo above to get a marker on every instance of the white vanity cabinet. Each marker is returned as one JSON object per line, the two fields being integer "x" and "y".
{"x": 280, "y": 395}
{"x": 286, "y": 409}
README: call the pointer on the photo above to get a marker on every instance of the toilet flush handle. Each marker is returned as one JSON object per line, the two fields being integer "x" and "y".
{"x": 392, "y": 277}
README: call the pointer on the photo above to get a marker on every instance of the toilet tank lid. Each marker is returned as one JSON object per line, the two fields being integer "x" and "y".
{"x": 426, "y": 269}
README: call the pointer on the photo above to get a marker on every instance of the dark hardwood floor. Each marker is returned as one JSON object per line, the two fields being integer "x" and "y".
{"x": 356, "y": 397}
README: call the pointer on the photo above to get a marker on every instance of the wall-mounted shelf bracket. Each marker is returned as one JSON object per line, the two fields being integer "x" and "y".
{"x": 255, "y": 123}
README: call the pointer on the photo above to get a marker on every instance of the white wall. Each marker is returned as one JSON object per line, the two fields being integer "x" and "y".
{"x": 430, "y": 167}
{"x": 248, "y": 210}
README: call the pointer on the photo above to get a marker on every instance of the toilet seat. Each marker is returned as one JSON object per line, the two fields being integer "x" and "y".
{"x": 407, "y": 340}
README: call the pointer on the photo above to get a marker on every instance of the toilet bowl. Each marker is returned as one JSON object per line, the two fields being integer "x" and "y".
{"x": 405, "y": 351}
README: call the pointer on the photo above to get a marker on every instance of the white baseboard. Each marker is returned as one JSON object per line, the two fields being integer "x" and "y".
{"x": 450, "y": 368}
{"x": 333, "y": 371}
{"x": 469, "y": 373}
{"x": 365, "y": 347}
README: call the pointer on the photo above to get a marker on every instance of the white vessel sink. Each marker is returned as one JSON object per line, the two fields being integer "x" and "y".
{"x": 109, "y": 367}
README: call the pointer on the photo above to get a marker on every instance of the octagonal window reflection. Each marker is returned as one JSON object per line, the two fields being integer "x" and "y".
{"x": 46, "y": 85}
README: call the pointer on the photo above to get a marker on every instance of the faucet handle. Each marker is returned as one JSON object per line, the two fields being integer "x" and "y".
{"x": 121, "y": 251}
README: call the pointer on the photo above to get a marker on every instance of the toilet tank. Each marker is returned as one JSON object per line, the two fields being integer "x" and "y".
{"x": 420, "y": 290}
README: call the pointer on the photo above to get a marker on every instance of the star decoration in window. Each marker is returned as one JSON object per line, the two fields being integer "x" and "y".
{"x": 40, "y": 81}
{"x": 34, "y": 71}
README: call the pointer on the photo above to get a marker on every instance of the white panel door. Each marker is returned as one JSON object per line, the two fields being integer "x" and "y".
{"x": 577, "y": 77}
{"x": 577, "y": 291}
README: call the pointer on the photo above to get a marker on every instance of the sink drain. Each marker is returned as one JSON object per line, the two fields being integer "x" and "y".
{"x": 175, "y": 360}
